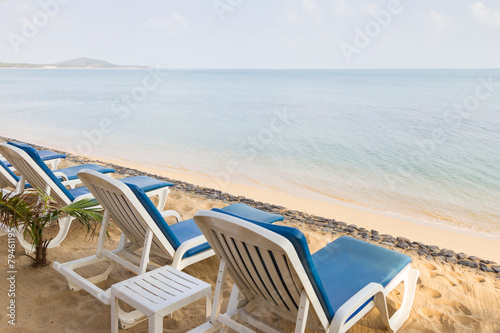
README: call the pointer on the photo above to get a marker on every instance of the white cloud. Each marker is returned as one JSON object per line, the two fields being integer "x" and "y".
{"x": 485, "y": 15}
{"x": 439, "y": 19}
{"x": 173, "y": 24}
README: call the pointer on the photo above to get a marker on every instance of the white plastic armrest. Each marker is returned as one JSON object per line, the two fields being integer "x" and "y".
{"x": 62, "y": 175}
{"x": 168, "y": 213}
{"x": 189, "y": 244}
{"x": 349, "y": 307}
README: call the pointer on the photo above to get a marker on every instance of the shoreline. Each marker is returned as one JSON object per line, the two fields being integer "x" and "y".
{"x": 367, "y": 223}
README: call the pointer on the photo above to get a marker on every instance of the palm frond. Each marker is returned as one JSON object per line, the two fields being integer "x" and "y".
{"x": 86, "y": 211}
{"x": 14, "y": 209}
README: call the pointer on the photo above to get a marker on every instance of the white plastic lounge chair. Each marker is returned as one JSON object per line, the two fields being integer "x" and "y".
{"x": 271, "y": 267}
{"x": 51, "y": 158}
{"x": 9, "y": 179}
{"x": 28, "y": 163}
{"x": 144, "y": 227}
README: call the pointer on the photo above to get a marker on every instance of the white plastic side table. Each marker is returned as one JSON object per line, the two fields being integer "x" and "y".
{"x": 158, "y": 293}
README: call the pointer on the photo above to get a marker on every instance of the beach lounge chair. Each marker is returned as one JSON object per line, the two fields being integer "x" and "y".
{"x": 142, "y": 226}
{"x": 51, "y": 158}
{"x": 272, "y": 268}
{"x": 9, "y": 179}
{"x": 27, "y": 161}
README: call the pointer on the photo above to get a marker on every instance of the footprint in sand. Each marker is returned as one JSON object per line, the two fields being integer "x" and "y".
{"x": 429, "y": 266}
{"x": 431, "y": 292}
{"x": 430, "y": 313}
{"x": 458, "y": 307}
{"x": 480, "y": 280}
{"x": 187, "y": 208}
{"x": 446, "y": 278}
{"x": 467, "y": 321}
{"x": 175, "y": 196}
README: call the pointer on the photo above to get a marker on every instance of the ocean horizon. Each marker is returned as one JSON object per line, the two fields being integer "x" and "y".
{"x": 421, "y": 144}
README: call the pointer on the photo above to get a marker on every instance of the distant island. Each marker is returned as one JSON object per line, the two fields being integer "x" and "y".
{"x": 75, "y": 63}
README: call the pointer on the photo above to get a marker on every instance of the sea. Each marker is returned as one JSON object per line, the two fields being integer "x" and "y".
{"x": 420, "y": 144}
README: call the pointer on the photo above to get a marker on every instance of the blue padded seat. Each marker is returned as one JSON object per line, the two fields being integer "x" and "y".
{"x": 183, "y": 231}
{"x": 45, "y": 155}
{"x": 248, "y": 213}
{"x": 9, "y": 171}
{"x": 345, "y": 266}
{"x": 77, "y": 191}
{"x": 146, "y": 183}
{"x": 186, "y": 230}
{"x": 71, "y": 172}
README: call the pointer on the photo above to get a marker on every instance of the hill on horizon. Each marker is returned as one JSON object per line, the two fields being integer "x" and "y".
{"x": 73, "y": 63}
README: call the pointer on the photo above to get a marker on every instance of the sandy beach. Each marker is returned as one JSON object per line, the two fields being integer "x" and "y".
{"x": 449, "y": 297}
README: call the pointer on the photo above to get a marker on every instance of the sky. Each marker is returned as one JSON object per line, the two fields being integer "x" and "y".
{"x": 255, "y": 33}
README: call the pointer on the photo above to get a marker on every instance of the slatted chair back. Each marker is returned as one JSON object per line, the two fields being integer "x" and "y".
{"x": 133, "y": 217}
{"x": 7, "y": 177}
{"x": 29, "y": 164}
{"x": 265, "y": 266}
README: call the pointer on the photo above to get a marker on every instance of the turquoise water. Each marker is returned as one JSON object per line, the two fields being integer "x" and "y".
{"x": 418, "y": 143}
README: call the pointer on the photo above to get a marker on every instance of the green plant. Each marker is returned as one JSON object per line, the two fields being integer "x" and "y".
{"x": 31, "y": 211}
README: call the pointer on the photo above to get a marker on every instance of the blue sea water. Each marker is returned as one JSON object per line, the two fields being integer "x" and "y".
{"x": 418, "y": 143}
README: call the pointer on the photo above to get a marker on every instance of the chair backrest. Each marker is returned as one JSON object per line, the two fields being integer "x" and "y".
{"x": 7, "y": 177}
{"x": 269, "y": 263}
{"x": 131, "y": 209}
{"x": 27, "y": 161}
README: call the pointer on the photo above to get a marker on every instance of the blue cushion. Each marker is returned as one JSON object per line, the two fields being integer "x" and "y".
{"x": 77, "y": 191}
{"x": 71, "y": 172}
{"x": 45, "y": 155}
{"x": 9, "y": 171}
{"x": 146, "y": 183}
{"x": 155, "y": 215}
{"x": 36, "y": 158}
{"x": 347, "y": 265}
{"x": 186, "y": 230}
{"x": 248, "y": 213}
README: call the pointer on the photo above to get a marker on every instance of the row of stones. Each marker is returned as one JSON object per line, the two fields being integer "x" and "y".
{"x": 430, "y": 252}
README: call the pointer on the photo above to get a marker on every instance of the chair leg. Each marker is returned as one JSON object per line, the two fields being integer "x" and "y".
{"x": 397, "y": 320}
{"x": 234, "y": 299}
{"x": 64, "y": 225}
{"x": 300, "y": 324}
{"x": 218, "y": 297}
